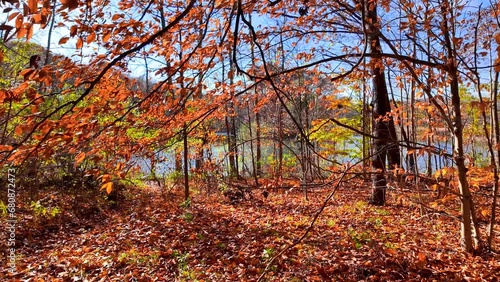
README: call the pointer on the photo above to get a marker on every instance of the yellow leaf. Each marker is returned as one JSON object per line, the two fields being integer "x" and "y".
{"x": 484, "y": 212}
{"x": 108, "y": 186}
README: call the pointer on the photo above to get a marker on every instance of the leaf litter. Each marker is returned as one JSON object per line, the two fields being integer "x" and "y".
{"x": 153, "y": 238}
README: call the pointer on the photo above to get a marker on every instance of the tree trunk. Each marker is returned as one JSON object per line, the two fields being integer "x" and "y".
{"x": 252, "y": 155}
{"x": 230, "y": 129}
{"x": 463, "y": 185}
{"x": 186, "y": 164}
{"x": 365, "y": 128}
{"x": 279, "y": 170}
{"x": 458, "y": 142}
{"x": 385, "y": 144}
{"x": 497, "y": 144}
{"x": 258, "y": 153}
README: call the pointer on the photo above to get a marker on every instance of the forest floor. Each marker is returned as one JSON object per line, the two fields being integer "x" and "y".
{"x": 149, "y": 236}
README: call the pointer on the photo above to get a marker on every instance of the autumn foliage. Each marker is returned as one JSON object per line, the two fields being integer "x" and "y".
{"x": 248, "y": 130}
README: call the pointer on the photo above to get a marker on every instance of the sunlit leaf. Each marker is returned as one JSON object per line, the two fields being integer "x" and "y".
{"x": 108, "y": 186}
{"x": 91, "y": 37}
{"x": 106, "y": 178}
{"x": 33, "y": 6}
{"x": 19, "y": 21}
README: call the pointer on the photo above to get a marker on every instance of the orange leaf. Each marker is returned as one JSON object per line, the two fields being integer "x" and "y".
{"x": 25, "y": 72}
{"x": 79, "y": 158}
{"x": 67, "y": 137}
{"x": 119, "y": 166}
{"x": 91, "y": 38}
{"x": 421, "y": 260}
{"x": 117, "y": 17}
{"x": 79, "y": 43}
{"x": 497, "y": 38}
{"x": 497, "y": 65}
{"x": 108, "y": 186}
{"x": 19, "y": 21}
{"x": 73, "y": 30}
{"x": 22, "y": 32}
{"x": 63, "y": 40}
{"x": 70, "y": 4}
{"x": 106, "y": 178}
{"x": 19, "y": 130}
{"x": 33, "y": 6}
{"x": 106, "y": 36}
{"x": 29, "y": 32}
{"x": 484, "y": 212}
{"x": 38, "y": 137}
{"x": 4, "y": 148}
{"x": 13, "y": 15}
{"x": 38, "y": 18}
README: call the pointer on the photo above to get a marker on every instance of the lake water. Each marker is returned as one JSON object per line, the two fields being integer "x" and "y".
{"x": 219, "y": 155}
